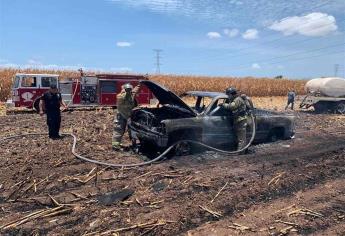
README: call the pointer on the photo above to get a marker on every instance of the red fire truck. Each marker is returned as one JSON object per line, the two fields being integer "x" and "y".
{"x": 84, "y": 91}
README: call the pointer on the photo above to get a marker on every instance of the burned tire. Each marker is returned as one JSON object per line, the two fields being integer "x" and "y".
{"x": 183, "y": 148}
{"x": 148, "y": 149}
{"x": 340, "y": 108}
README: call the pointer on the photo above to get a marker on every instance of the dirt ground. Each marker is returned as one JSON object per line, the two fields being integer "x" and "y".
{"x": 292, "y": 187}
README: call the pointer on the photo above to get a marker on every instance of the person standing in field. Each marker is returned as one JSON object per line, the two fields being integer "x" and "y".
{"x": 238, "y": 108}
{"x": 291, "y": 99}
{"x": 50, "y": 103}
{"x": 125, "y": 102}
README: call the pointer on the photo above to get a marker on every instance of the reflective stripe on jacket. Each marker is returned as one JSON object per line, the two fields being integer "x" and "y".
{"x": 125, "y": 104}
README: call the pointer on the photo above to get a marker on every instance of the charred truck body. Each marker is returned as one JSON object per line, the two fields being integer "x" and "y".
{"x": 173, "y": 120}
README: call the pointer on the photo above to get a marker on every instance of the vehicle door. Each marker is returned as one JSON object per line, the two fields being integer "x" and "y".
{"x": 15, "y": 91}
{"x": 28, "y": 90}
{"x": 108, "y": 90}
{"x": 264, "y": 122}
{"x": 218, "y": 125}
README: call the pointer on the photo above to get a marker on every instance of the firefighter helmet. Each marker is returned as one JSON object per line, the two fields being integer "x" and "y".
{"x": 127, "y": 86}
{"x": 230, "y": 91}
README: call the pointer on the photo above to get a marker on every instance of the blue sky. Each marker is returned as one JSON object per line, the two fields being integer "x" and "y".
{"x": 297, "y": 39}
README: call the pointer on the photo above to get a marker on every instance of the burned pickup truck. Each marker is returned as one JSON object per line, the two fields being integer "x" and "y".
{"x": 173, "y": 120}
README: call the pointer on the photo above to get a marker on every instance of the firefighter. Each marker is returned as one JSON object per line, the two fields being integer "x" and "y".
{"x": 291, "y": 99}
{"x": 238, "y": 108}
{"x": 50, "y": 103}
{"x": 125, "y": 102}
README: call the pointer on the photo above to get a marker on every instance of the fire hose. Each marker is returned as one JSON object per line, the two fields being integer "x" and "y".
{"x": 79, "y": 156}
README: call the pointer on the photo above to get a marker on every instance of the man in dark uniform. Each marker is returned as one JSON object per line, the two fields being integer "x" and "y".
{"x": 238, "y": 108}
{"x": 291, "y": 99}
{"x": 50, "y": 104}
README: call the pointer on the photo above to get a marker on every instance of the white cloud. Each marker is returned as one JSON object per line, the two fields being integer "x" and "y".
{"x": 314, "y": 24}
{"x": 250, "y": 34}
{"x": 31, "y": 64}
{"x": 235, "y": 12}
{"x": 123, "y": 44}
{"x": 231, "y": 32}
{"x": 213, "y": 35}
{"x": 34, "y": 62}
{"x": 256, "y": 66}
{"x": 236, "y": 2}
{"x": 9, "y": 65}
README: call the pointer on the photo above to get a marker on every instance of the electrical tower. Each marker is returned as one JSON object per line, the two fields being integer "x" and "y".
{"x": 158, "y": 58}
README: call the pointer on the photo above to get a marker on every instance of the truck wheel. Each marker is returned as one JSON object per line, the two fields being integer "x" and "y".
{"x": 340, "y": 108}
{"x": 320, "y": 107}
{"x": 148, "y": 149}
{"x": 182, "y": 148}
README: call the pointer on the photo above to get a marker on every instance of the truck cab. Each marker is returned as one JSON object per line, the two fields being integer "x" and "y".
{"x": 28, "y": 88}
{"x": 84, "y": 91}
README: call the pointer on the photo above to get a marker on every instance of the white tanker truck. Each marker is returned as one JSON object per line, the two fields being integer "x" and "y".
{"x": 325, "y": 95}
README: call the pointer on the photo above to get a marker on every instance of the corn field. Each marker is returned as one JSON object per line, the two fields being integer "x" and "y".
{"x": 259, "y": 87}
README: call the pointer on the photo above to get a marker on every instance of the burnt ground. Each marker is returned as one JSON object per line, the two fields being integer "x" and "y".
{"x": 294, "y": 187}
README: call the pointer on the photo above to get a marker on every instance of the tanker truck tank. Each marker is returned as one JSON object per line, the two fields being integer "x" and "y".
{"x": 331, "y": 86}
{"x": 325, "y": 95}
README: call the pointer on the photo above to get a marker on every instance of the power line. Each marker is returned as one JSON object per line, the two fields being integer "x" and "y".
{"x": 295, "y": 59}
{"x": 264, "y": 61}
{"x": 158, "y": 57}
{"x": 277, "y": 39}
{"x": 297, "y": 53}
{"x": 302, "y": 52}
{"x": 267, "y": 62}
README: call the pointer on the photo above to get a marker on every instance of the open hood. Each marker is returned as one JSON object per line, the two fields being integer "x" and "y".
{"x": 165, "y": 96}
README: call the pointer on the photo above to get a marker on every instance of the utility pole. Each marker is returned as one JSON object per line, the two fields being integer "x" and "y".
{"x": 158, "y": 57}
{"x": 336, "y": 69}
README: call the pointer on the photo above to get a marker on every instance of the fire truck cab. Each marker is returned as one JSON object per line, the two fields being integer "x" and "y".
{"x": 28, "y": 88}
{"x": 84, "y": 91}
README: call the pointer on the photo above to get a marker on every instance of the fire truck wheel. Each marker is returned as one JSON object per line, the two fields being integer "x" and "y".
{"x": 36, "y": 105}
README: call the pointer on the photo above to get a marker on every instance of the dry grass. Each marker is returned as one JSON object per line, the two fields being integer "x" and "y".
{"x": 257, "y": 87}
{"x": 179, "y": 84}
{"x": 2, "y": 109}
{"x": 276, "y": 103}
